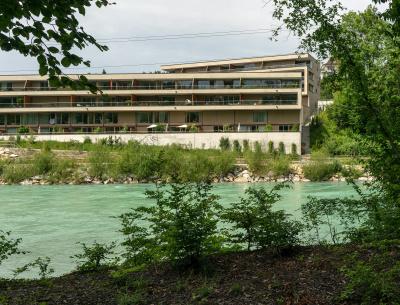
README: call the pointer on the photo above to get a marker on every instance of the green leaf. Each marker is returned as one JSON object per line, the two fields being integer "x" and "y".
{"x": 66, "y": 62}
{"x": 53, "y": 50}
{"x": 46, "y": 19}
{"x": 43, "y": 70}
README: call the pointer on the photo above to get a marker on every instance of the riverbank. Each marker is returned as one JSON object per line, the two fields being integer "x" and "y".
{"x": 300, "y": 275}
{"x": 34, "y": 167}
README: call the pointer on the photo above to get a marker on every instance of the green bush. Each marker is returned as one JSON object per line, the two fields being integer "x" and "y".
{"x": 16, "y": 172}
{"x": 224, "y": 164}
{"x": 270, "y": 147}
{"x": 280, "y": 166}
{"x": 252, "y": 221}
{"x": 183, "y": 223}
{"x": 43, "y": 163}
{"x": 294, "y": 149}
{"x": 159, "y": 128}
{"x": 98, "y": 129}
{"x": 87, "y": 140}
{"x": 8, "y": 246}
{"x": 281, "y": 148}
{"x": 295, "y": 127}
{"x": 193, "y": 128}
{"x": 94, "y": 258}
{"x": 224, "y": 143}
{"x": 99, "y": 160}
{"x": 57, "y": 129}
{"x": 268, "y": 128}
{"x": 23, "y": 129}
{"x": 236, "y": 147}
{"x": 246, "y": 145}
{"x": 256, "y": 159}
{"x": 319, "y": 168}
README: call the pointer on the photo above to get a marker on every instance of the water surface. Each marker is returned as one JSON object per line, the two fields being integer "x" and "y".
{"x": 51, "y": 219}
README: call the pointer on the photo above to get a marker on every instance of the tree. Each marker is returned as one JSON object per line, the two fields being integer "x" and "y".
{"x": 368, "y": 73}
{"x": 45, "y": 29}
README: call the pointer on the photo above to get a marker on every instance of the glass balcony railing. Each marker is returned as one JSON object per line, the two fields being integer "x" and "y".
{"x": 152, "y": 103}
{"x": 194, "y": 87}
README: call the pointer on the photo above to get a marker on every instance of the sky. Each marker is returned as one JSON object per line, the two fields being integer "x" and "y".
{"x": 151, "y": 21}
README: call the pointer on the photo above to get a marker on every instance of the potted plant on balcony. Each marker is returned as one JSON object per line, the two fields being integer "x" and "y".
{"x": 20, "y": 101}
{"x": 268, "y": 128}
{"x": 194, "y": 128}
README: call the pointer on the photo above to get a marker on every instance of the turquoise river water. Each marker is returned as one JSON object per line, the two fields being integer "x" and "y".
{"x": 51, "y": 219}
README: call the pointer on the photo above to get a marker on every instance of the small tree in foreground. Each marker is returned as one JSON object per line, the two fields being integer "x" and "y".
{"x": 255, "y": 224}
{"x": 8, "y": 246}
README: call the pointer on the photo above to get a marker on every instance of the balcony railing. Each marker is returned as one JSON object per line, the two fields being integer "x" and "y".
{"x": 150, "y": 103}
{"x": 178, "y": 87}
{"x": 258, "y": 68}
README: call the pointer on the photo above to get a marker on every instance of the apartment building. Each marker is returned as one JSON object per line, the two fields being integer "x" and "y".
{"x": 245, "y": 93}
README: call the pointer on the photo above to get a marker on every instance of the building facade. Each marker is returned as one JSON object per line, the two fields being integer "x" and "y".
{"x": 247, "y": 94}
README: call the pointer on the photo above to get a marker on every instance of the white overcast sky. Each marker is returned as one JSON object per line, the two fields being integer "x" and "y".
{"x": 144, "y": 18}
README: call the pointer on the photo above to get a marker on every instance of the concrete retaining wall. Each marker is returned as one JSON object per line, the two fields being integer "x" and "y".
{"x": 194, "y": 140}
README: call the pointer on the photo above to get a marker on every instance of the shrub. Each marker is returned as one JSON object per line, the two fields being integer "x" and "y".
{"x": 99, "y": 160}
{"x": 280, "y": 166}
{"x": 125, "y": 129}
{"x": 42, "y": 264}
{"x": 319, "y": 169}
{"x": 254, "y": 223}
{"x": 270, "y": 147}
{"x": 159, "y": 128}
{"x": 43, "y": 163}
{"x": 16, "y": 172}
{"x": 246, "y": 145}
{"x": 183, "y": 223}
{"x": 87, "y": 140}
{"x": 224, "y": 143}
{"x": 281, "y": 148}
{"x": 236, "y": 147}
{"x": 23, "y": 129}
{"x": 224, "y": 164}
{"x": 295, "y": 127}
{"x": 194, "y": 128}
{"x": 294, "y": 149}
{"x": 57, "y": 129}
{"x": 92, "y": 257}
{"x": 8, "y": 246}
{"x": 227, "y": 128}
{"x": 98, "y": 129}
{"x": 268, "y": 128}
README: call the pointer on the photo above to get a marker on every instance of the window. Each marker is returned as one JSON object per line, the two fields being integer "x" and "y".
{"x": 185, "y": 84}
{"x": 5, "y": 102}
{"x": 192, "y": 117}
{"x": 110, "y": 118}
{"x": 166, "y": 100}
{"x": 203, "y": 84}
{"x": 44, "y": 86}
{"x": 161, "y": 117}
{"x": 44, "y": 118}
{"x": 29, "y": 119}
{"x": 270, "y": 99}
{"x": 260, "y": 117}
{"x": 98, "y": 118}
{"x": 218, "y": 128}
{"x": 311, "y": 75}
{"x": 290, "y": 83}
{"x": 249, "y": 66}
{"x": 251, "y": 83}
{"x": 285, "y": 128}
{"x": 167, "y": 84}
{"x": 145, "y": 117}
{"x": 219, "y": 84}
{"x": 62, "y": 118}
{"x": 268, "y": 83}
{"x": 2, "y": 119}
{"x": 13, "y": 119}
{"x": 4, "y": 86}
{"x": 289, "y": 99}
{"x": 311, "y": 87}
{"x": 231, "y": 100}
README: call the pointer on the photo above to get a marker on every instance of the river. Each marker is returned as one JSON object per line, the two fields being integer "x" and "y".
{"x": 51, "y": 219}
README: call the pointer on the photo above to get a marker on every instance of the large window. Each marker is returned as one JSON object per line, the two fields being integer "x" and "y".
{"x": 311, "y": 88}
{"x": 166, "y": 100}
{"x": 5, "y": 102}
{"x": 260, "y": 117}
{"x": 110, "y": 118}
{"x": 5, "y": 86}
{"x": 2, "y": 119}
{"x": 251, "y": 83}
{"x": 290, "y": 83}
{"x": 231, "y": 99}
{"x": 289, "y": 99}
{"x": 161, "y": 117}
{"x": 249, "y": 66}
{"x": 203, "y": 84}
{"x": 185, "y": 84}
{"x": 193, "y": 117}
{"x": 145, "y": 117}
{"x": 29, "y": 119}
{"x": 13, "y": 119}
{"x": 271, "y": 99}
{"x": 167, "y": 84}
